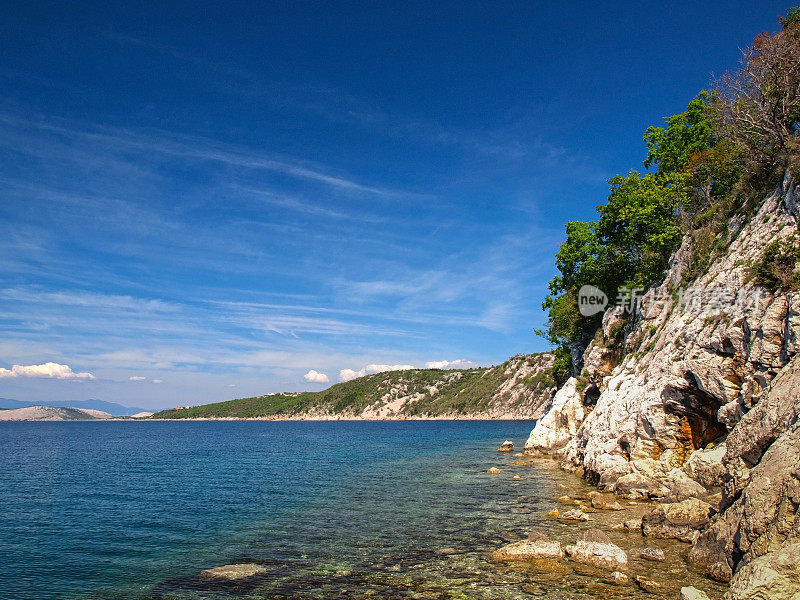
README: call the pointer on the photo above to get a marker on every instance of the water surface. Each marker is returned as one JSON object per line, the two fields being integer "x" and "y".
{"x": 135, "y": 510}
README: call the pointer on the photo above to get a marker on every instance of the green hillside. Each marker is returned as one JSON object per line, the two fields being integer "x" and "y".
{"x": 517, "y": 386}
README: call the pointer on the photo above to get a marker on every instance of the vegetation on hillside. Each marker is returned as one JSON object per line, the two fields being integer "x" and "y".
{"x": 436, "y": 393}
{"x": 715, "y": 160}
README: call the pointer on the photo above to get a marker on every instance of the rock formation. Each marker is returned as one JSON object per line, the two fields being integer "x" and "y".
{"x": 700, "y": 394}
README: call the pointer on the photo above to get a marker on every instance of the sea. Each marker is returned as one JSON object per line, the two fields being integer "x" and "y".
{"x": 131, "y": 510}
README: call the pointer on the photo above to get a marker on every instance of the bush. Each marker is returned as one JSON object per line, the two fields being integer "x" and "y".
{"x": 777, "y": 269}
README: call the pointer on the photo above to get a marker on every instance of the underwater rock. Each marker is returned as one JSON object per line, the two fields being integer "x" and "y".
{"x": 595, "y": 548}
{"x": 233, "y": 572}
{"x": 535, "y": 547}
{"x": 653, "y": 553}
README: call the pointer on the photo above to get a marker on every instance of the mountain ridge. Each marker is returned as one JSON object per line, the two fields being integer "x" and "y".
{"x": 519, "y": 388}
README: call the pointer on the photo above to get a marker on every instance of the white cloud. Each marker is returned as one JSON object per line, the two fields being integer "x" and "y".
{"x": 137, "y": 378}
{"x": 49, "y": 370}
{"x": 350, "y": 374}
{"x": 460, "y": 363}
{"x": 158, "y": 381}
{"x": 316, "y": 377}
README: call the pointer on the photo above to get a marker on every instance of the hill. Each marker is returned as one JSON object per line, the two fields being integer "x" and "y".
{"x": 49, "y": 413}
{"x": 112, "y": 408}
{"x": 520, "y": 388}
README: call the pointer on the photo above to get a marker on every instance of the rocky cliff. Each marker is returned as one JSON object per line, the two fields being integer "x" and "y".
{"x": 695, "y": 393}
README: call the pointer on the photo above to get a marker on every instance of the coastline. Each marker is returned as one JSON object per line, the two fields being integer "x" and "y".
{"x": 621, "y": 560}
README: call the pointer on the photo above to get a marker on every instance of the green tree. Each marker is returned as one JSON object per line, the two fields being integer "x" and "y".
{"x": 638, "y": 228}
{"x": 685, "y": 135}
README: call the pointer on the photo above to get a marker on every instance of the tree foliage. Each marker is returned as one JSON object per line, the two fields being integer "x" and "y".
{"x": 709, "y": 163}
{"x": 685, "y": 135}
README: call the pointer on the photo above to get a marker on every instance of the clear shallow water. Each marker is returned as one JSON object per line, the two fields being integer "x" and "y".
{"x": 135, "y": 510}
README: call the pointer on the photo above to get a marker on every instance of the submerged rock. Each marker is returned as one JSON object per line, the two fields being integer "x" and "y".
{"x": 233, "y": 572}
{"x": 606, "y": 502}
{"x": 648, "y": 585}
{"x": 653, "y": 553}
{"x": 692, "y": 593}
{"x": 537, "y": 546}
{"x": 595, "y": 548}
{"x": 620, "y": 578}
{"x": 575, "y": 514}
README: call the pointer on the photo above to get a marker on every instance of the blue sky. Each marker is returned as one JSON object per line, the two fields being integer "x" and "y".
{"x": 202, "y": 201}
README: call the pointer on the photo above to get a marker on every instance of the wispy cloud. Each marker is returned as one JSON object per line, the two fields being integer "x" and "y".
{"x": 119, "y": 140}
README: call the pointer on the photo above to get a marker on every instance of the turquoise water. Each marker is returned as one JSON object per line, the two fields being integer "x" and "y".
{"x": 137, "y": 509}
{"x": 389, "y": 510}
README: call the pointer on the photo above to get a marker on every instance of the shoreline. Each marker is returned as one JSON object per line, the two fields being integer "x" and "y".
{"x": 602, "y": 536}
{"x": 278, "y": 419}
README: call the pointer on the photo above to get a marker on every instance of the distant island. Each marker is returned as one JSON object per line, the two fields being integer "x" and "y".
{"x": 113, "y": 409}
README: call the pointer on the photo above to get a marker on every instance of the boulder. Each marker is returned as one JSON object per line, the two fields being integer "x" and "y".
{"x": 537, "y": 546}
{"x": 506, "y": 446}
{"x": 681, "y": 487}
{"x": 556, "y": 428}
{"x": 773, "y": 576}
{"x": 705, "y": 466}
{"x": 495, "y": 471}
{"x": 678, "y": 520}
{"x": 595, "y": 548}
{"x": 636, "y": 486}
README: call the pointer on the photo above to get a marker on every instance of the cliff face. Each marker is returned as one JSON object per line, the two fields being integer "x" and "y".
{"x": 696, "y": 392}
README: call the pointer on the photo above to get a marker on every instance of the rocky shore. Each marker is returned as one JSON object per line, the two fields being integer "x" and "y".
{"x": 693, "y": 407}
